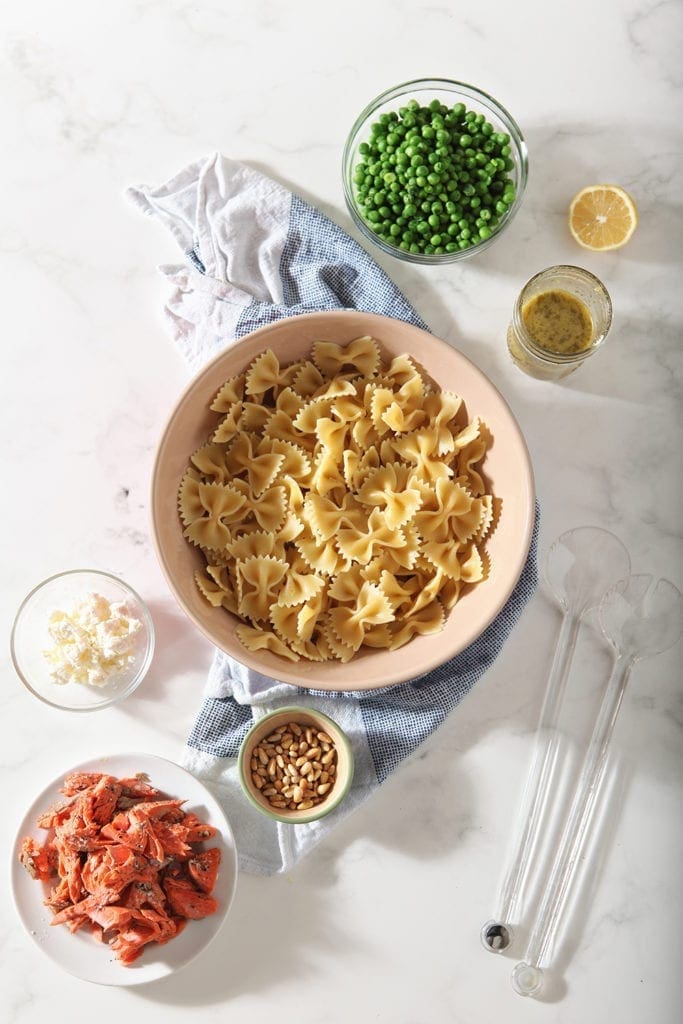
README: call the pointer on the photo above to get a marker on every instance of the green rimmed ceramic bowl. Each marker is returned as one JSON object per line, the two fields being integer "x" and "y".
{"x": 303, "y": 717}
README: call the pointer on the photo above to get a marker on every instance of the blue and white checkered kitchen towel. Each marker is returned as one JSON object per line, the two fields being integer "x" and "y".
{"x": 255, "y": 253}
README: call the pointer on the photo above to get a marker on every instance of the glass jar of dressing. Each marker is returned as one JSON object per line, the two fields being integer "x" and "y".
{"x": 562, "y": 315}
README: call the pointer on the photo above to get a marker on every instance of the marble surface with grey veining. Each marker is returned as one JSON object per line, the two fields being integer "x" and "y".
{"x": 381, "y": 923}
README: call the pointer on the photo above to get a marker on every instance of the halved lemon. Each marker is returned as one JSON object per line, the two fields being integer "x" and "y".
{"x": 602, "y": 217}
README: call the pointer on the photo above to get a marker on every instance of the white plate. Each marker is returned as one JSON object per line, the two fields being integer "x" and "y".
{"x": 80, "y": 954}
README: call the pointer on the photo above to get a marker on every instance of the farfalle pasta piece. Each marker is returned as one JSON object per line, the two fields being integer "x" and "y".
{"x": 309, "y": 616}
{"x": 341, "y": 651}
{"x": 189, "y": 503}
{"x": 443, "y": 505}
{"x": 360, "y": 358}
{"x": 252, "y": 545}
{"x": 217, "y": 586}
{"x": 429, "y": 620}
{"x": 359, "y": 545}
{"x": 221, "y": 505}
{"x": 281, "y": 425}
{"x": 261, "y": 469}
{"x": 404, "y": 412}
{"x": 441, "y": 408}
{"x": 325, "y": 517}
{"x": 255, "y": 639}
{"x": 307, "y": 380}
{"x": 389, "y": 488}
{"x": 268, "y": 508}
{"x": 420, "y": 449}
{"x": 349, "y": 622}
{"x": 254, "y": 416}
{"x": 444, "y": 556}
{"x": 472, "y": 567}
{"x": 299, "y": 587}
{"x": 467, "y": 459}
{"x": 296, "y": 461}
{"x": 230, "y": 393}
{"x": 209, "y": 460}
{"x": 230, "y": 425}
{"x": 258, "y": 580}
{"x": 339, "y": 503}
{"x": 263, "y": 374}
{"x": 321, "y": 556}
{"x": 326, "y": 473}
{"x": 401, "y": 369}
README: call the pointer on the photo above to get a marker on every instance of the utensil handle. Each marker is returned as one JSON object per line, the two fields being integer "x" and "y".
{"x": 579, "y": 821}
{"x": 542, "y": 769}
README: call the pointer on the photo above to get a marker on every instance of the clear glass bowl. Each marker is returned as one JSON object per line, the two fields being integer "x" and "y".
{"x": 30, "y": 638}
{"x": 424, "y": 90}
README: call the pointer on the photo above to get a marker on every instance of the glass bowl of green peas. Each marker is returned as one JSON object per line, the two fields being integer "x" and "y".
{"x": 434, "y": 170}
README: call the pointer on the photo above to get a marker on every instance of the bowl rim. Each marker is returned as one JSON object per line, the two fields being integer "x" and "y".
{"x": 139, "y": 675}
{"x": 448, "y": 85}
{"x": 284, "y": 671}
{"x": 325, "y": 808}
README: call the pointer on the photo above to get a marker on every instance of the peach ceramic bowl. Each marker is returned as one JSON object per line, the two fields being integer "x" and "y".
{"x": 507, "y": 469}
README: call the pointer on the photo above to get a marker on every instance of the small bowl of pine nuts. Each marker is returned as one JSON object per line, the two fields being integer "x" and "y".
{"x": 295, "y": 765}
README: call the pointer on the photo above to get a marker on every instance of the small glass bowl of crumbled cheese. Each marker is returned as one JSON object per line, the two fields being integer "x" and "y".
{"x": 82, "y": 640}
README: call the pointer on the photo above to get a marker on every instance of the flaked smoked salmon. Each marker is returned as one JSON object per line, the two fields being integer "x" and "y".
{"x": 122, "y": 860}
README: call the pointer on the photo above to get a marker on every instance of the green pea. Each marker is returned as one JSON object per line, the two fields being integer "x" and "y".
{"x": 430, "y": 172}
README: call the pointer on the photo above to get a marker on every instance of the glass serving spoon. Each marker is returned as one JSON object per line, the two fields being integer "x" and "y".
{"x": 640, "y": 618}
{"x": 580, "y": 566}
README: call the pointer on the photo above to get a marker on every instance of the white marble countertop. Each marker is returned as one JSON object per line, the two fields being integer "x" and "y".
{"x": 381, "y": 922}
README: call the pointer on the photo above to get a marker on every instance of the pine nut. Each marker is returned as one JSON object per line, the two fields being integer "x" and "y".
{"x": 305, "y": 804}
{"x": 293, "y": 727}
{"x": 328, "y": 757}
{"x": 313, "y": 753}
{"x": 271, "y": 767}
{"x": 324, "y": 738}
{"x": 280, "y": 761}
{"x": 306, "y": 768}
{"x": 297, "y": 795}
{"x": 303, "y": 747}
{"x": 262, "y": 756}
{"x": 257, "y": 780}
{"x": 309, "y": 736}
{"x": 321, "y": 790}
{"x": 286, "y": 740}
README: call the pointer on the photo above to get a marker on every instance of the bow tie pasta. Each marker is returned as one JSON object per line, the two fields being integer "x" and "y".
{"x": 339, "y": 503}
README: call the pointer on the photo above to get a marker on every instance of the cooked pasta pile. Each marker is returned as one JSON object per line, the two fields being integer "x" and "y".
{"x": 338, "y": 503}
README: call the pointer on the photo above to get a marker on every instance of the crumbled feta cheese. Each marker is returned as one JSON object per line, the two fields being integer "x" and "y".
{"x": 93, "y": 641}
